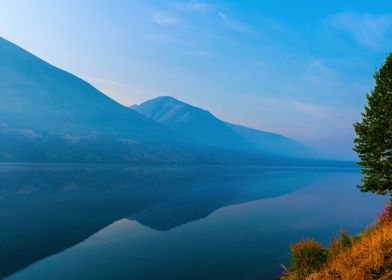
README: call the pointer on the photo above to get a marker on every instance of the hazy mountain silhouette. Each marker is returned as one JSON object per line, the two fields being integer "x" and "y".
{"x": 272, "y": 143}
{"x": 204, "y": 128}
{"x": 197, "y": 124}
{"x": 47, "y": 114}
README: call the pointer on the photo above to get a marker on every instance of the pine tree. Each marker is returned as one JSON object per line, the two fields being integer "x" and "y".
{"x": 374, "y": 134}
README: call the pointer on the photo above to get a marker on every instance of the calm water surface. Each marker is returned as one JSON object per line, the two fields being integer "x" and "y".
{"x": 130, "y": 222}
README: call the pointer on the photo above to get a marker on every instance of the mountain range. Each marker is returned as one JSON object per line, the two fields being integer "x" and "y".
{"x": 50, "y": 115}
{"x": 47, "y": 114}
{"x": 204, "y": 128}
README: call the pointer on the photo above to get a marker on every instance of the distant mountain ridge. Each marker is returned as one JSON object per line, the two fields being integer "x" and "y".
{"x": 197, "y": 124}
{"x": 47, "y": 114}
{"x": 50, "y": 115}
{"x": 202, "y": 126}
{"x": 272, "y": 143}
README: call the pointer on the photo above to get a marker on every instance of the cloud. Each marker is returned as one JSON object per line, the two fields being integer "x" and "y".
{"x": 194, "y": 7}
{"x": 101, "y": 81}
{"x": 309, "y": 109}
{"x": 235, "y": 24}
{"x": 162, "y": 18}
{"x": 316, "y": 72}
{"x": 368, "y": 29}
{"x": 314, "y": 110}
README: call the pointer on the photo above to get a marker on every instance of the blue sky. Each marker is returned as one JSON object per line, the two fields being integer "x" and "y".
{"x": 299, "y": 68}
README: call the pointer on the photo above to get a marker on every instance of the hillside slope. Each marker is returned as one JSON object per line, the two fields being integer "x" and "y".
{"x": 199, "y": 125}
{"x": 204, "y": 128}
{"x": 47, "y": 114}
{"x": 273, "y": 143}
{"x": 50, "y": 115}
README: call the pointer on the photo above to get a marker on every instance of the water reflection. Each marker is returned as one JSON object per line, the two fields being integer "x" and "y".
{"x": 217, "y": 190}
{"x": 45, "y": 209}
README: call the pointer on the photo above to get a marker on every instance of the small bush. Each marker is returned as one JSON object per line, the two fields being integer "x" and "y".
{"x": 307, "y": 256}
{"x": 345, "y": 239}
{"x": 339, "y": 244}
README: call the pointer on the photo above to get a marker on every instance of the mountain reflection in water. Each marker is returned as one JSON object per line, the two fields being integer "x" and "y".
{"x": 45, "y": 209}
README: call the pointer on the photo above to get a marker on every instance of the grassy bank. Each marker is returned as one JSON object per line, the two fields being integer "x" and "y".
{"x": 362, "y": 257}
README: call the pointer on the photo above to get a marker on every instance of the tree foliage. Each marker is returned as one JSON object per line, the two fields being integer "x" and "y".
{"x": 374, "y": 134}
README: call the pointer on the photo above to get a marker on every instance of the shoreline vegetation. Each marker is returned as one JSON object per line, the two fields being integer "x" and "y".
{"x": 366, "y": 256}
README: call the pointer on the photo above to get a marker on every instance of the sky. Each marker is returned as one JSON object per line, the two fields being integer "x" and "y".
{"x": 298, "y": 68}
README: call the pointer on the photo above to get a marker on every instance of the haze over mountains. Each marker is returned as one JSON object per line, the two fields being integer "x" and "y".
{"x": 49, "y": 115}
{"x": 199, "y": 125}
{"x": 272, "y": 143}
{"x": 203, "y": 127}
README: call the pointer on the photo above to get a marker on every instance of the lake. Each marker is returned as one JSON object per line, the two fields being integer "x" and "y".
{"x": 76, "y": 221}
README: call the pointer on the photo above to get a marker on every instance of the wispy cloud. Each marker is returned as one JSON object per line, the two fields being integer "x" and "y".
{"x": 100, "y": 81}
{"x": 310, "y": 109}
{"x": 368, "y": 29}
{"x": 235, "y": 24}
{"x": 306, "y": 108}
{"x": 163, "y": 18}
{"x": 316, "y": 71}
{"x": 194, "y": 6}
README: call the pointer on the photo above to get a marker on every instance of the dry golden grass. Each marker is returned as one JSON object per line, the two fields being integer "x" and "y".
{"x": 369, "y": 256}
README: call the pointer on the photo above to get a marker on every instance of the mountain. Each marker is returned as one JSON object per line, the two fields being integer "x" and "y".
{"x": 272, "y": 143}
{"x": 198, "y": 125}
{"x": 47, "y": 114}
{"x": 203, "y": 127}
{"x": 50, "y": 115}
